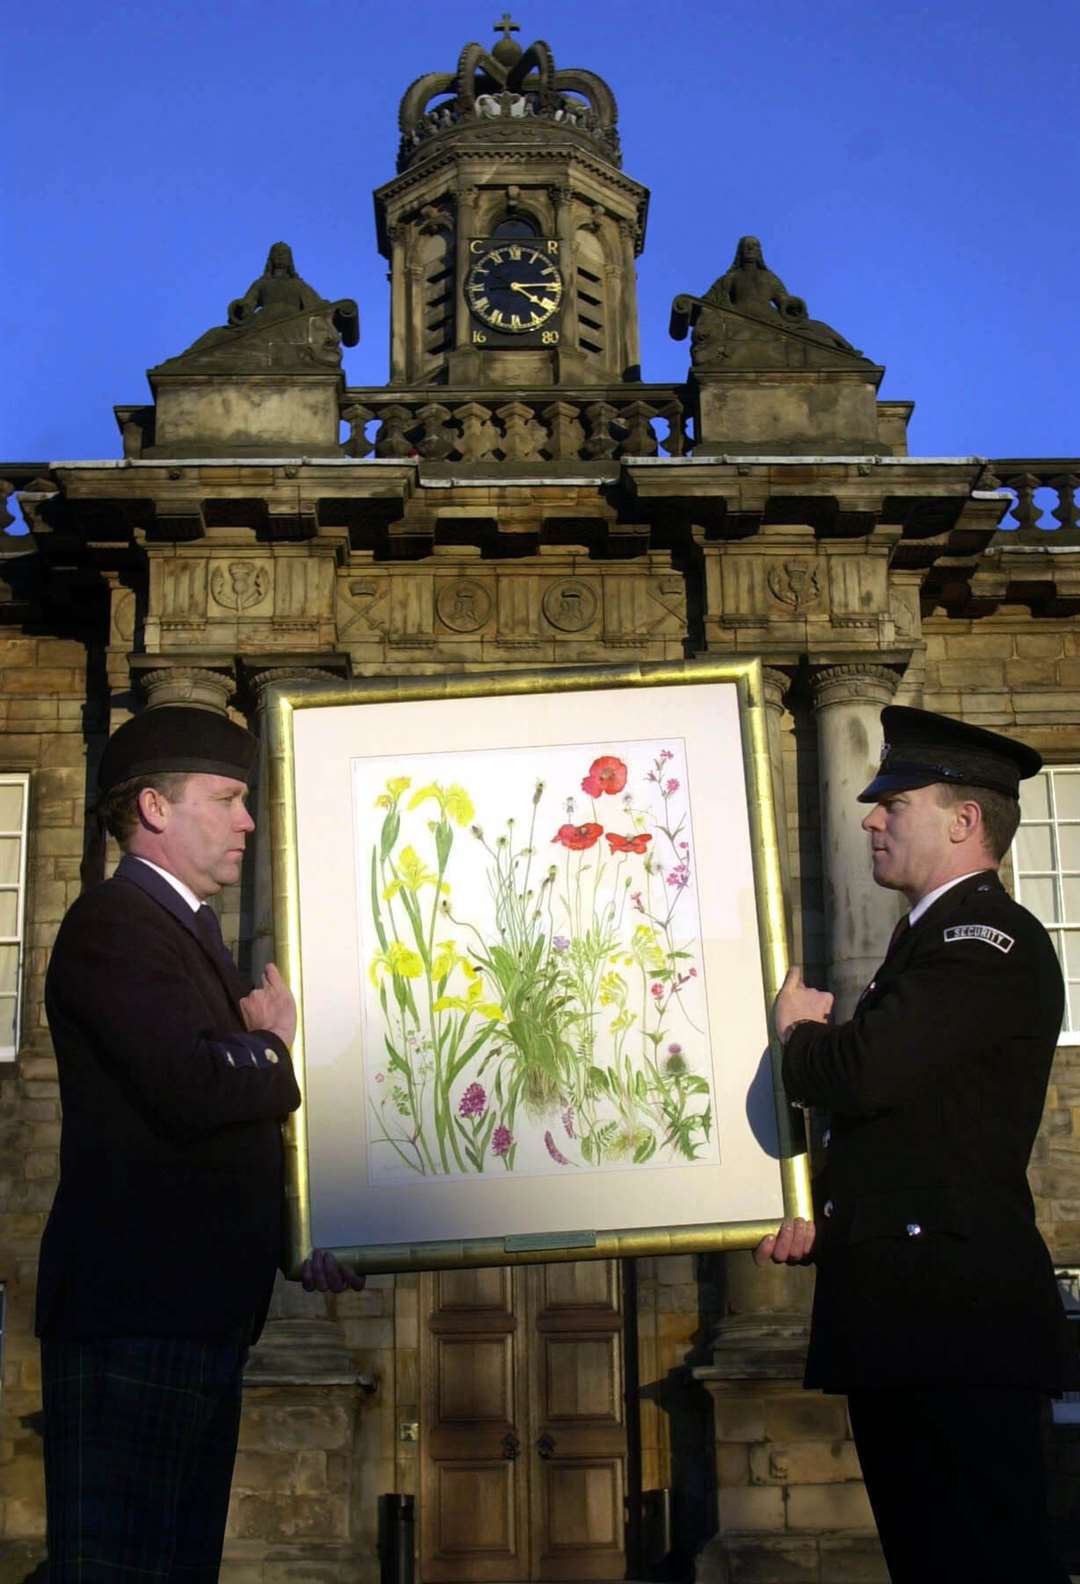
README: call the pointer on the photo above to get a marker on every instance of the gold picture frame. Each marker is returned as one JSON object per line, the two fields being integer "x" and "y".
{"x": 312, "y": 747}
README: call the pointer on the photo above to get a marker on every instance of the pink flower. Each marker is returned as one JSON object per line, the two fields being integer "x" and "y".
{"x": 473, "y": 1102}
{"x": 635, "y": 898}
{"x": 554, "y": 1151}
{"x": 501, "y": 1141}
{"x": 672, "y": 786}
{"x": 656, "y": 990}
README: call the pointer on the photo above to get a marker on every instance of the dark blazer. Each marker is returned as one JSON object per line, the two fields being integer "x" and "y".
{"x": 930, "y": 1267}
{"x": 167, "y": 1219}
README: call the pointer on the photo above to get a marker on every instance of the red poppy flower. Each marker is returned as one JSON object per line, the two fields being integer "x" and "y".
{"x": 578, "y": 837}
{"x": 635, "y": 844}
{"x": 606, "y": 774}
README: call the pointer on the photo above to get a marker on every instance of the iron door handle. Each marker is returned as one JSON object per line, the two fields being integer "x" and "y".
{"x": 546, "y": 1446}
{"x": 511, "y": 1446}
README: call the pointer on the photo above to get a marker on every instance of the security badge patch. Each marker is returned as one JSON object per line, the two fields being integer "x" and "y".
{"x": 983, "y": 932}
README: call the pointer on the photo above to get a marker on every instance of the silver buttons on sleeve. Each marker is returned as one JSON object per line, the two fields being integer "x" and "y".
{"x": 913, "y": 1229}
{"x": 828, "y": 1207}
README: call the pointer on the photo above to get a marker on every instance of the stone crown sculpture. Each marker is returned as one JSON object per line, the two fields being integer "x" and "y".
{"x": 521, "y": 89}
{"x": 280, "y": 323}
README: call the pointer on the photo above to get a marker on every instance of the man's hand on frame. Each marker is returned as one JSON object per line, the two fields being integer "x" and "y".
{"x": 790, "y": 1244}
{"x": 322, "y": 1273}
{"x": 797, "y": 1003}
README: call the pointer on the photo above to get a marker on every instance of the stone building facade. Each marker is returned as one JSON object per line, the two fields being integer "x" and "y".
{"x": 517, "y": 495}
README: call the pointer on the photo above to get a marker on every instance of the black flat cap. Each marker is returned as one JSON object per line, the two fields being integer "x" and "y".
{"x": 177, "y": 738}
{"x": 922, "y": 748}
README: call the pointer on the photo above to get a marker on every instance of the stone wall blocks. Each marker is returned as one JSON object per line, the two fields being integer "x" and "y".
{"x": 1042, "y": 646}
{"x": 806, "y": 1417}
{"x": 738, "y": 1418}
{"x": 279, "y": 1426}
{"x": 827, "y": 1507}
{"x": 43, "y": 713}
{"x": 288, "y": 1517}
{"x": 751, "y": 1507}
{"x": 846, "y": 1559}
{"x": 42, "y": 680}
{"x": 982, "y": 674}
{"x": 804, "y": 1463}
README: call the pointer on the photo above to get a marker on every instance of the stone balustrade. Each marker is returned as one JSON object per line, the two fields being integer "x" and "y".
{"x": 595, "y": 425}
{"x": 1044, "y": 491}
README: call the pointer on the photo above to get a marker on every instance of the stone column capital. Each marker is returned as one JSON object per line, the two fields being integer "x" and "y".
{"x": 775, "y": 686}
{"x": 854, "y": 683}
{"x": 262, "y": 681}
{"x": 193, "y": 685}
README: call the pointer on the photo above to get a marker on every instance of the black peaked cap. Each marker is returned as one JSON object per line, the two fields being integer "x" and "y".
{"x": 177, "y": 738}
{"x": 922, "y": 748}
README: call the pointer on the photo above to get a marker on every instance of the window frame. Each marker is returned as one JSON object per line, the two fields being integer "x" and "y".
{"x": 1062, "y": 926}
{"x": 19, "y": 778}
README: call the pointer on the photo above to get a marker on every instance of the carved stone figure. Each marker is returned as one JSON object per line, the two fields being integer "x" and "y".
{"x": 749, "y": 305}
{"x": 280, "y": 322}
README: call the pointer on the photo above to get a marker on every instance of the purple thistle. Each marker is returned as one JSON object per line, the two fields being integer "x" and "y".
{"x": 501, "y": 1141}
{"x": 560, "y": 943}
{"x": 473, "y": 1101}
{"x": 568, "y": 1122}
{"x": 553, "y": 1150}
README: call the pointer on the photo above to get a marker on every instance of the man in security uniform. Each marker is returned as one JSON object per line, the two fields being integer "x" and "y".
{"x": 936, "y": 1308}
{"x": 163, "y": 1241}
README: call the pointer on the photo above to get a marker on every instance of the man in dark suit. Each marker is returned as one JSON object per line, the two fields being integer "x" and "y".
{"x": 163, "y": 1241}
{"x": 936, "y": 1308}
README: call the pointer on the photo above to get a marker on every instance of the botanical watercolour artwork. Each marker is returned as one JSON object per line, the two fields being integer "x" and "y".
{"x": 533, "y": 995}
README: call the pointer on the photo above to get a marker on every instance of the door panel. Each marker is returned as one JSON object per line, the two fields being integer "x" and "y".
{"x": 578, "y": 1447}
{"x": 473, "y": 1515}
{"x": 523, "y": 1437}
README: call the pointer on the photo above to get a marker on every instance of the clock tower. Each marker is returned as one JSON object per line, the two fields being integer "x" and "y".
{"x": 510, "y": 227}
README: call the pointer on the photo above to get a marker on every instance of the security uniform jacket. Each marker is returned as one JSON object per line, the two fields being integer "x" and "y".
{"x": 930, "y": 1269}
{"x": 167, "y": 1219}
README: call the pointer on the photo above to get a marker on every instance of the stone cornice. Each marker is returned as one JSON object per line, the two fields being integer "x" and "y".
{"x": 486, "y": 159}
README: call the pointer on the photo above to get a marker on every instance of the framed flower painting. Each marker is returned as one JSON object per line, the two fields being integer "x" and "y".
{"x": 534, "y": 924}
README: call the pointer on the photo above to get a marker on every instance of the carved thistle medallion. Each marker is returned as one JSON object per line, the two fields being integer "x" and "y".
{"x": 794, "y": 584}
{"x": 240, "y": 585}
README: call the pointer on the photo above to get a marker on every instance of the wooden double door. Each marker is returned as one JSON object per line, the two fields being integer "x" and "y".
{"x": 523, "y": 1435}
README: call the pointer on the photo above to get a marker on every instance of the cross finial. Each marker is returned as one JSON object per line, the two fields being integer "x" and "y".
{"x": 507, "y": 27}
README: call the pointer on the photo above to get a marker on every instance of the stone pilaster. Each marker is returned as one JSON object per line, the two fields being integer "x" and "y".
{"x": 775, "y": 687}
{"x": 262, "y": 926}
{"x": 859, "y": 916}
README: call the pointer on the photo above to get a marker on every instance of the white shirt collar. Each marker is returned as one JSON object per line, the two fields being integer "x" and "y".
{"x": 931, "y": 896}
{"x": 178, "y": 885}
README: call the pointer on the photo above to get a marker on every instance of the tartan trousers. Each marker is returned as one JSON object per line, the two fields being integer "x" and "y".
{"x": 140, "y": 1441}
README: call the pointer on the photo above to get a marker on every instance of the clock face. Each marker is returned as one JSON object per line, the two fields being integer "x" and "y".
{"x": 514, "y": 287}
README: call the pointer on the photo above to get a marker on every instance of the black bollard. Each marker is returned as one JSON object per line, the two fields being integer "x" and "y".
{"x": 397, "y": 1516}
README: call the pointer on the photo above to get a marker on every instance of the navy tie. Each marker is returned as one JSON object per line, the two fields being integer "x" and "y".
{"x": 208, "y": 929}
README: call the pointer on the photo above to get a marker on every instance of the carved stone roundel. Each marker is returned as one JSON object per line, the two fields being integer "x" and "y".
{"x": 569, "y": 605}
{"x": 464, "y": 605}
{"x": 240, "y": 585}
{"x": 795, "y": 584}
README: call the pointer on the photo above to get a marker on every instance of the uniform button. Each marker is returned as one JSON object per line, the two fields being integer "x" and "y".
{"x": 872, "y": 985}
{"x": 828, "y": 1207}
{"x": 914, "y": 1229}
{"x": 271, "y": 1055}
{"x": 826, "y": 1138}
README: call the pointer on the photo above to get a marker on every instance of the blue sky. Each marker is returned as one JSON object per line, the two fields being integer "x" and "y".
{"x": 911, "y": 169}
